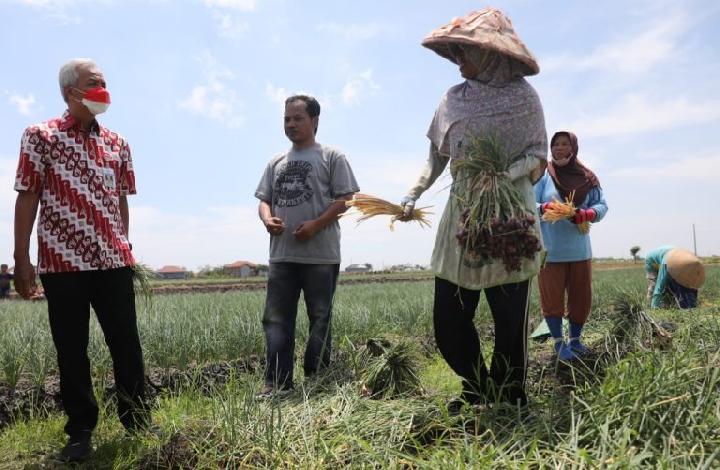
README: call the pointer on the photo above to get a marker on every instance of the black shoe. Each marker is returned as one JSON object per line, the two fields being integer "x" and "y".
{"x": 78, "y": 448}
{"x": 474, "y": 393}
{"x": 456, "y": 405}
{"x": 467, "y": 399}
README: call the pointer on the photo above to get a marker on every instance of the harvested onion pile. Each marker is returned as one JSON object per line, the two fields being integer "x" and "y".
{"x": 557, "y": 210}
{"x": 495, "y": 222}
{"x": 371, "y": 206}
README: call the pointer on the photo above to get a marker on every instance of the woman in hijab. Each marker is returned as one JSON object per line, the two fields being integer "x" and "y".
{"x": 494, "y": 101}
{"x": 568, "y": 267}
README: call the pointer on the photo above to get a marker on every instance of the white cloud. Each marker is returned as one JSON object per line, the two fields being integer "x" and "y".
{"x": 390, "y": 175}
{"x": 638, "y": 113}
{"x": 277, "y": 95}
{"x": 357, "y": 87}
{"x": 57, "y": 10}
{"x": 243, "y": 5}
{"x": 230, "y": 27}
{"x": 23, "y": 104}
{"x": 214, "y": 99}
{"x": 640, "y": 53}
{"x": 693, "y": 168}
{"x": 633, "y": 54}
{"x": 209, "y": 238}
{"x": 355, "y": 32}
{"x": 8, "y": 167}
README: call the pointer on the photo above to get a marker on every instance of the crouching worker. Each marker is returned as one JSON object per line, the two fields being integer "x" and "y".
{"x": 673, "y": 273}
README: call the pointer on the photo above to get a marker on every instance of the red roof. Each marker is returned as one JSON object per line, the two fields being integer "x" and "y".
{"x": 172, "y": 269}
{"x": 240, "y": 264}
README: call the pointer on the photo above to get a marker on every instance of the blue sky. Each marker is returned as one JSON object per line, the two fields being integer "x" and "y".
{"x": 197, "y": 87}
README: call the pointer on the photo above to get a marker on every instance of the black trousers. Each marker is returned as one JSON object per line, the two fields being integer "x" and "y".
{"x": 111, "y": 295}
{"x": 457, "y": 339}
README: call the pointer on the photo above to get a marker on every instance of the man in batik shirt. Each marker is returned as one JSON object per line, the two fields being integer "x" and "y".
{"x": 80, "y": 174}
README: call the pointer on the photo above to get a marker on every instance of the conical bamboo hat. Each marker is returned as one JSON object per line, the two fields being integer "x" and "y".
{"x": 488, "y": 28}
{"x": 685, "y": 268}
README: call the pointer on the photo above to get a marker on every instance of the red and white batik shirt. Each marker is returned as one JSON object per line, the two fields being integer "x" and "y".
{"x": 80, "y": 177}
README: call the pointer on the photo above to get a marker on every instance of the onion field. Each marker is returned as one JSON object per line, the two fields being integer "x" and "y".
{"x": 636, "y": 402}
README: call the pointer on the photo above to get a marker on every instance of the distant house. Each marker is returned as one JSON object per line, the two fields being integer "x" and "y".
{"x": 407, "y": 267}
{"x": 358, "y": 268}
{"x": 172, "y": 272}
{"x": 245, "y": 269}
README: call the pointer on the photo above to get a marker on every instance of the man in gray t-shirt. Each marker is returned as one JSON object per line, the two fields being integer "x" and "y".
{"x": 301, "y": 193}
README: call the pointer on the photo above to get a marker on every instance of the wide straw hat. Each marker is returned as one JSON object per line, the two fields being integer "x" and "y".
{"x": 488, "y": 28}
{"x": 685, "y": 268}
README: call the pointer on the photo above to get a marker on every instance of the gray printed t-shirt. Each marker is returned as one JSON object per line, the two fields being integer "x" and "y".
{"x": 300, "y": 185}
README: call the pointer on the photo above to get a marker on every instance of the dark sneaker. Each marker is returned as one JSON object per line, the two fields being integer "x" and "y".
{"x": 78, "y": 448}
{"x": 456, "y": 405}
{"x": 269, "y": 391}
{"x": 564, "y": 352}
{"x": 467, "y": 399}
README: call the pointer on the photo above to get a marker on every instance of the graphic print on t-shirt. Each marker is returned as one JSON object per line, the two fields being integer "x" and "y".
{"x": 291, "y": 185}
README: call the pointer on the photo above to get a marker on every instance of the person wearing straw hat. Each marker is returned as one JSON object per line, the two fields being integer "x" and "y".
{"x": 494, "y": 101}
{"x": 568, "y": 267}
{"x": 673, "y": 273}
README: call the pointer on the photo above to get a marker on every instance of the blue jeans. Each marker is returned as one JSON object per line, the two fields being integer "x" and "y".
{"x": 285, "y": 281}
{"x": 685, "y": 296}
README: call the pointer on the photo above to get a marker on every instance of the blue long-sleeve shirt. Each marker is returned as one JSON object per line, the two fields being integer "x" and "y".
{"x": 655, "y": 263}
{"x": 563, "y": 241}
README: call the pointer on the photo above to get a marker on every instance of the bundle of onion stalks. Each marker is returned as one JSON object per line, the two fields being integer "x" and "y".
{"x": 142, "y": 275}
{"x": 633, "y": 326}
{"x": 391, "y": 369}
{"x": 558, "y": 210}
{"x": 495, "y": 223}
{"x": 371, "y": 206}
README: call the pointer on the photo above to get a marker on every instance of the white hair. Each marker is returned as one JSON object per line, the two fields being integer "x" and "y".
{"x": 69, "y": 73}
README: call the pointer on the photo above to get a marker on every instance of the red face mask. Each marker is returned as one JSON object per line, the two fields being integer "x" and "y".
{"x": 97, "y": 100}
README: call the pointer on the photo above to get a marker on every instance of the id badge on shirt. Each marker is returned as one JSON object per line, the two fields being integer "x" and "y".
{"x": 109, "y": 178}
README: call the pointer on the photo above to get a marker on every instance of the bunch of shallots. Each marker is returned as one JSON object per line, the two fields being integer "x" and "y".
{"x": 495, "y": 223}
